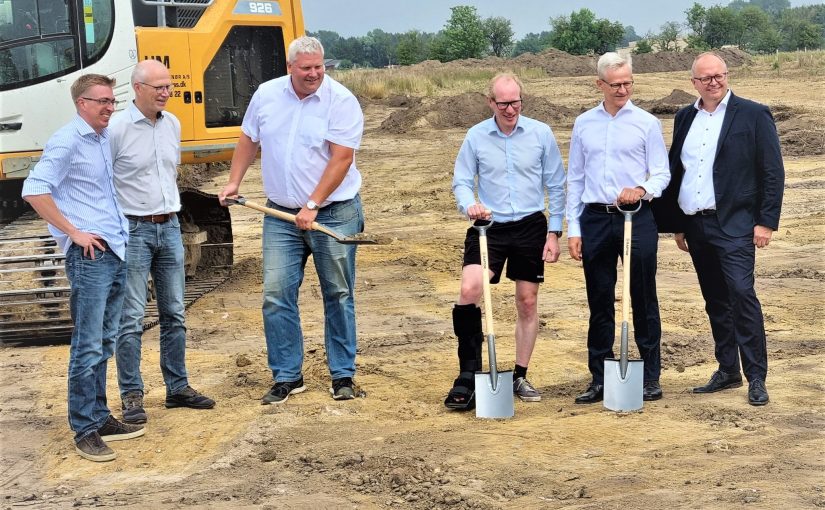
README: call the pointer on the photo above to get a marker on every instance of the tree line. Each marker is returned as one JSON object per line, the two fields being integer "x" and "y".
{"x": 757, "y": 26}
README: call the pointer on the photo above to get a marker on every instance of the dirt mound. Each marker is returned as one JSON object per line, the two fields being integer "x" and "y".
{"x": 559, "y": 63}
{"x": 802, "y": 135}
{"x": 468, "y": 109}
{"x": 669, "y": 104}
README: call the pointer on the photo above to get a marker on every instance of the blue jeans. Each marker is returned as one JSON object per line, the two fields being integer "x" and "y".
{"x": 155, "y": 248}
{"x": 286, "y": 249}
{"x": 97, "y": 297}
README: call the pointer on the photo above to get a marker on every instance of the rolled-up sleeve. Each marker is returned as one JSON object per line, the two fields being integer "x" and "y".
{"x": 552, "y": 176}
{"x": 50, "y": 171}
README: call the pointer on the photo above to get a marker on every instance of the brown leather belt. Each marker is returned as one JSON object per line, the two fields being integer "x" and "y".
{"x": 153, "y": 218}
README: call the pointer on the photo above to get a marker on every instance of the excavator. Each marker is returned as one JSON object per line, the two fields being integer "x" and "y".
{"x": 217, "y": 52}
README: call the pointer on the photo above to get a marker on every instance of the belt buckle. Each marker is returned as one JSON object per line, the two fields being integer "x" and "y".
{"x": 160, "y": 218}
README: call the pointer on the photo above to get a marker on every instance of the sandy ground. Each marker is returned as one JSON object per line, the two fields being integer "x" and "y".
{"x": 397, "y": 446}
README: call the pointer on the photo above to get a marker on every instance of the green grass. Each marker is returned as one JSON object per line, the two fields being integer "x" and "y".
{"x": 795, "y": 63}
{"x": 414, "y": 81}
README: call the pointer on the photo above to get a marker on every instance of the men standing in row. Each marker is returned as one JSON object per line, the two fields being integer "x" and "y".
{"x": 617, "y": 157}
{"x": 145, "y": 144}
{"x": 71, "y": 188}
{"x": 308, "y": 127}
{"x": 512, "y": 161}
{"x": 723, "y": 202}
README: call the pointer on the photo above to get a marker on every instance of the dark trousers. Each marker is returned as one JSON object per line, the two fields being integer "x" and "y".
{"x": 725, "y": 267}
{"x": 602, "y": 248}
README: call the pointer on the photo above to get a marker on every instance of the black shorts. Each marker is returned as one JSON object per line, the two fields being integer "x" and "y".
{"x": 519, "y": 243}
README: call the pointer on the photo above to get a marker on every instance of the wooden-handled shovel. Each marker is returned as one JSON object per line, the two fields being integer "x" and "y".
{"x": 356, "y": 239}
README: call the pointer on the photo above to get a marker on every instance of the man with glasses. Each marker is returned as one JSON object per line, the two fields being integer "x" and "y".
{"x": 71, "y": 188}
{"x": 511, "y": 161}
{"x": 146, "y": 151}
{"x": 723, "y": 202}
{"x": 617, "y": 158}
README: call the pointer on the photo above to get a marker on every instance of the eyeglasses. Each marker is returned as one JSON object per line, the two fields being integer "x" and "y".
{"x": 502, "y": 105}
{"x": 616, "y": 86}
{"x": 160, "y": 88}
{"x": 102, "y": 101}
{"x": 705, "y": 80}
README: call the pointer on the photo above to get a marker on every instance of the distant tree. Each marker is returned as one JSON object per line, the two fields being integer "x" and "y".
{"x": 642, "y": 46}
{"x": 772, "y": 7}
{"x": 352, "y": 49}
{"x": 800, "y": 34}
{"x": 722, "y": 26}
{"x": 439, "y": 47}
{"x": 380, "y": 47}
{"x": 499, "y": 33}
{"x": 464, "y": 32}
{"x": 329, "y": 40}
{"x": 532, "y": 43}
{"x": 581, "y": 33}
{"x": 412, "y": 48}
{"x": 753, "y": 23}
{"x": 767, "y": 41}
{"x": 697, "y": 17}
{"x": 629, "y": 35}
{"x": 667, "y": 39}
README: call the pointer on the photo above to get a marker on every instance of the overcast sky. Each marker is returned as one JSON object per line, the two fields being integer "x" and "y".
{"x": 357, "y": 17}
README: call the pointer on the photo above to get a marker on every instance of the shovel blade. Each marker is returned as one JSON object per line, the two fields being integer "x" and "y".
{"x": 496, "y": 403}
{"x": 623, "y": 393}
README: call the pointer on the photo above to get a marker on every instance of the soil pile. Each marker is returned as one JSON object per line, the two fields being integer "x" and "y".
{"x": 669, "y": 104}
{"x": 468, "y": 109}
{"x": 559, "y": 63}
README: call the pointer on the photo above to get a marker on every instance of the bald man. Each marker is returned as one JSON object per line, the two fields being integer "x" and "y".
{"x": 146, "y": 151}
{"x": 723, "y": 202}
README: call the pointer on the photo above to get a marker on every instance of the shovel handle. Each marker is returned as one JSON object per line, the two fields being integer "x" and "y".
{"x": 283, "y": 216}
{"x": 627, "y": 242}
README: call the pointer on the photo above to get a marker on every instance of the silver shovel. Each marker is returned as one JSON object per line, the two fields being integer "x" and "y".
{"x": 494, "y": 389}
{"x": 623, "y": 378}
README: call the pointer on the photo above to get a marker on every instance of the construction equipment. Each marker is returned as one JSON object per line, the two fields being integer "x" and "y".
{"x": 494, "y": 389}
{"x": 623, "y": 378}
{"x": 285, "y": 216}
{"x": 217, "y": 52}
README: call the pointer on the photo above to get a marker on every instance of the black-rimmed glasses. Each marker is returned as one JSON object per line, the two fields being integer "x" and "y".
{"x": 160, "y": 88}
{"x": 502, "y": 105}
{"x": 102, "y": 101}
{"x": 705, "y": 80}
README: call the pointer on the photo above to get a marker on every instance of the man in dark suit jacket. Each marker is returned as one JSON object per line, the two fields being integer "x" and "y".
{"x": 723, "y": 202}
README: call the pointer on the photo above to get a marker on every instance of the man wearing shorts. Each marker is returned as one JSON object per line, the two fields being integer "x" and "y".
{"x": 512, "y": 161}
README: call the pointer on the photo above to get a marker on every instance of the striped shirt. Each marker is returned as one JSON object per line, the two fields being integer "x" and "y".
{"x": 513, "y": 173}
{"x": 76, "y": 170}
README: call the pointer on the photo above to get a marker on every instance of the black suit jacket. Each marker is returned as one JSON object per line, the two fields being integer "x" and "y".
{"x": 748, "y": 174}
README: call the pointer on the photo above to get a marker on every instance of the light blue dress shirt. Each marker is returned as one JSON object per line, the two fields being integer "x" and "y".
{"x": 512, "y": 173}
{"x": 609, "y": 153}
{"x": 76, "y": 170}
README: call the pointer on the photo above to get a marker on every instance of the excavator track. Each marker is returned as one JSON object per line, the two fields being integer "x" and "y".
{"x": 34, "y": 290}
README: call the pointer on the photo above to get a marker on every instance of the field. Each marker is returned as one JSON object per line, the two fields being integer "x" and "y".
{"x": 397, "y": 446}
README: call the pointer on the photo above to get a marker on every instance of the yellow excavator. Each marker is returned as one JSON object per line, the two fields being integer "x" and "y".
{"x": 217, "y": 51}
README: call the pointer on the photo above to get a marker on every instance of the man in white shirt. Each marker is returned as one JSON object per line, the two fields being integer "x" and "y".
{"x": 308, "y": 127}
{"x": 617, "y": 157}
{"x": 146, "y": 150}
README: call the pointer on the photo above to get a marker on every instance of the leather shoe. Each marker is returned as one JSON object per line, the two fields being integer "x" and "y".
{"x": 757, "y": 393}
{"x": 720, "y": 381}
{"x": 594, "y": 393}
{"x": 652, "y": 391}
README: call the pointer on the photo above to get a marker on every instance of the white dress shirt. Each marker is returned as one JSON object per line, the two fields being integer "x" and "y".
{"x": 698, "y": 155}
{"x": 146, "y": 156}
{"x": 609, "y": 153}
{"x": 295, "y": 135}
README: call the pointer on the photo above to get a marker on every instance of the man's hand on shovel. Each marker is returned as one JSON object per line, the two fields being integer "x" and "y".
{"x": 479, "y": 212}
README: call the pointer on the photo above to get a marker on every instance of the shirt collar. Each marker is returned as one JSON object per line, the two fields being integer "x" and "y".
{"x": 723, "y": 102}
{"x": 84, "y": 129}
{"x": 628, "y": 107}
{"x": 320, "y": 93}
{"x": 493, "y": 126}
{"x": 135, "y": 115}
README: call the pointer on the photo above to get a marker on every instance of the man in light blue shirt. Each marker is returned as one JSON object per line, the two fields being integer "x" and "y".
{"x": 71, "y": 188}
{"x": 515, "y": 165}
{"x": 617, "y": 156}
{"x": 308, "y": 127}
{"x": 146, "y": 150}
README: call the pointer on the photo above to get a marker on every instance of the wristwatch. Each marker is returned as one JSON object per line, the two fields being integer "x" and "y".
{"x": 312, "y": 206}
{"x": 557, "y": 232}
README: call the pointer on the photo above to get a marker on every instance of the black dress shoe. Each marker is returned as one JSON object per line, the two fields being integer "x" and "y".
{"x": 720, "y": 381}
{"x": 757, "y": 393}
{"x": 652, "y": 391}
{"x": 594, "y": 393}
